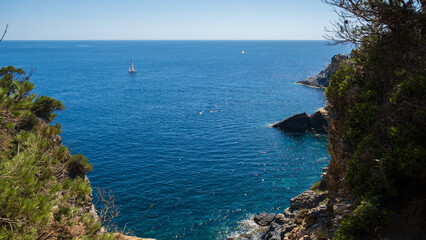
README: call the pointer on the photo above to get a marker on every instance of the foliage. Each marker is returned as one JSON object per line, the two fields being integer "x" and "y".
{"x": 361, "y": 222}
{"x": 15, "y": 90}
{"x": 43, "y": 190}
{"x": 45, "y": 106}
{"x": 321, "y": 233}
{"x": 363, "y": 22}
{"x": 380, "y": 96}
{"x": 78, "y": 165}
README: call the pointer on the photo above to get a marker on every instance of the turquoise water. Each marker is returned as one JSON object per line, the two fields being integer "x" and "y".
{"x": 188, "y": 134}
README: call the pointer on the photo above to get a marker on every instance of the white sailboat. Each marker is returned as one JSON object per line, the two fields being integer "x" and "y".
{"x": 132, "y": 68}
{"x": 243, "y": 52}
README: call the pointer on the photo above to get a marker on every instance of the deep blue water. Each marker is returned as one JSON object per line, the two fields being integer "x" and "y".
{"x": 187, "y": 134}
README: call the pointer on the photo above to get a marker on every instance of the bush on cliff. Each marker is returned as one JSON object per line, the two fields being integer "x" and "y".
{"x": 361, "y": 222}
{"x": 43, "y": 193}
{"x": 380, "y": 96}
{"x": 44, "y": 107}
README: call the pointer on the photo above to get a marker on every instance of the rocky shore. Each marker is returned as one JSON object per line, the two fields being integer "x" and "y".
{"x": 317, "y": 212}
{"x": 311, "y": 215}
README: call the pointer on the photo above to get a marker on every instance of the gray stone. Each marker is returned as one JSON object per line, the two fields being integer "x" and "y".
{"x": 264, "y": 219}
{"x": 340, "y": 208}
{"x": 274, "y": 232}
{"x": 280, "y": 219}
{"x": 287, "y": 228}
{"x": 306, "y": 200}
{"x": 288, "y": 213}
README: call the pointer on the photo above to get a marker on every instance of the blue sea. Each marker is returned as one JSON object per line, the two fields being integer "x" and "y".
{"x": 185, "y": 143}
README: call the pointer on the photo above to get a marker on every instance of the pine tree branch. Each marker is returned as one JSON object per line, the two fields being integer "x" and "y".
{"x": 5, "y": 31}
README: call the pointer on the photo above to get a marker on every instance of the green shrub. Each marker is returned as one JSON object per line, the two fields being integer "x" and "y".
{"x": 362, "y": 222}
{"x": 44, "y": 107}
{"x": 28, "y": 121}
{"x": 92, "y": 224}
{"x": 60, "y": 153}
{"x": 77, "y": 188}
{"x": 78, "y": 165}
{"x": 61, "y": 213}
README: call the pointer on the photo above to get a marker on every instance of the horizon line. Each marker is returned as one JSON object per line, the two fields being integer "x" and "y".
{"x": 5, "y": 40}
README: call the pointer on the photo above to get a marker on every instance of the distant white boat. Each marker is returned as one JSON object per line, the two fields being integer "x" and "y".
{"x": 243, "y": 52}
{"x": 132, "y": 68}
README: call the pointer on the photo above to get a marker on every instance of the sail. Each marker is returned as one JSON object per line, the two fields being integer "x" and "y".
{"x": 132, "y": 67}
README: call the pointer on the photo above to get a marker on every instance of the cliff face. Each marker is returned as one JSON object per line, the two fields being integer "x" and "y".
{"x": 340, "y": 153}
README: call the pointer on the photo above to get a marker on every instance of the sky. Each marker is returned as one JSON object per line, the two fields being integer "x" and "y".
{"x": 165, "y": 19}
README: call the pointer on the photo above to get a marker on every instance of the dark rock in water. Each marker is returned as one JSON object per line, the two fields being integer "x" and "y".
{"x": 301, "y": 123}
{"x": 264, "y": 219}
{"x": 298, "y": 123}
{"x": 323, "y": 78}
{"x": 317, "y": 122}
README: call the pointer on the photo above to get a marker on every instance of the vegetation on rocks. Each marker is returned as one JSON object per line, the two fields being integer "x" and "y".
{"x": 44, "y": 193}
{"x": 380, "y": 96}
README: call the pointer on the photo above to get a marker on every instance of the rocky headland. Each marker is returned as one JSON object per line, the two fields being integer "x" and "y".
{"x": 322, "y": 80}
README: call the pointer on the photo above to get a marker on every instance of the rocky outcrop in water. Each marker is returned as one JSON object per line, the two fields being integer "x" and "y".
{"x": 323, "y": 78}
{"x": 301, "y": 123}
{"x": 298, "y": 123}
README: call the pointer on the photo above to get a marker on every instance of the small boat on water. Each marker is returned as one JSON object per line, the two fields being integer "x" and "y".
{"x": 132, "y": 68}
{"x": 243, "y": 52}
